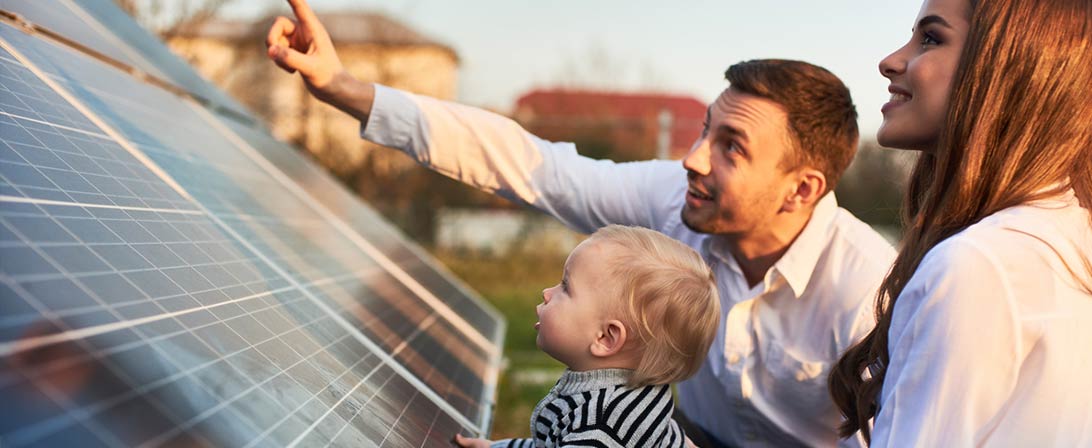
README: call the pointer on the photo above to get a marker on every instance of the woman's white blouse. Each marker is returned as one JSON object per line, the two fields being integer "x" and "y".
{"x": 991, "y": 340}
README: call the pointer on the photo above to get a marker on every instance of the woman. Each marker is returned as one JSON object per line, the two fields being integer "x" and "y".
{"x": 984, "y": 332}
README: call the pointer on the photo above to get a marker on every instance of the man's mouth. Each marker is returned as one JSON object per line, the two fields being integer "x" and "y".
{"x": 698, "y": 194}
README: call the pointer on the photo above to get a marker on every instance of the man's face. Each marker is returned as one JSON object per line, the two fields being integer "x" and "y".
{"x": 737, "y": 184}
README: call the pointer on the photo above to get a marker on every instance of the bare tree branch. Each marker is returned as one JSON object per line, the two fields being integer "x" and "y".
{"x": 170, "y": 18}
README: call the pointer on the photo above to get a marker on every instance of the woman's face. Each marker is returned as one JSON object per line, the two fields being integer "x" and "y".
{"x": 921, "y": 74}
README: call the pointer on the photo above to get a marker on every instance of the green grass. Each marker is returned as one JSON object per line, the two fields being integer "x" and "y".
{"x": 514, "y": 284}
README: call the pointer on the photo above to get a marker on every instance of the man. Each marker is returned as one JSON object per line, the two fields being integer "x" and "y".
{"x": 796, "y": 274}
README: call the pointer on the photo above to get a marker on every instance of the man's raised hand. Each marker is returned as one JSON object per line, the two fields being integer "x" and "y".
{"x": 303, "y": 46}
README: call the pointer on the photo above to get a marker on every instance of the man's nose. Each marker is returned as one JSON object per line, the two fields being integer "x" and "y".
{"x": 697, "y": 160}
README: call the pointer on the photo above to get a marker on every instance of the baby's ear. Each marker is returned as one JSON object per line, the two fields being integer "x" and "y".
{"x": 610, "y": 339}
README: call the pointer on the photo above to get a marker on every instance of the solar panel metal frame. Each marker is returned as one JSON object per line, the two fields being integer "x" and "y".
{"x": 342, "y": 226}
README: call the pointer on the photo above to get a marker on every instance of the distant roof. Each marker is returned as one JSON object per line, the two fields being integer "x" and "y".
{"x": 345, "y": 27}
{"x": 591, "y": 104}
{"x": 568, "y": 109}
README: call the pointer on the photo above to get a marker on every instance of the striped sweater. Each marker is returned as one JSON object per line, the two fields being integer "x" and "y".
{"x": 596, "y": 409}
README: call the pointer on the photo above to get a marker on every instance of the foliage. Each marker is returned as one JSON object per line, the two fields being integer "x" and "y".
{"x": 873, "y": 186}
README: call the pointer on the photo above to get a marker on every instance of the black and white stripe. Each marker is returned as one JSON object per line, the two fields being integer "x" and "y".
{"x": 595, "y": 409}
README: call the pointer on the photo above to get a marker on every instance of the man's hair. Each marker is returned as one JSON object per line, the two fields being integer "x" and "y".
{"x": 667, "y": 299}
{"x": 822, "y": 119}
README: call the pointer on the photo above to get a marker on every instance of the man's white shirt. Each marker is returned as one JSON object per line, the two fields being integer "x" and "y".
{"x": 765, "y": 379}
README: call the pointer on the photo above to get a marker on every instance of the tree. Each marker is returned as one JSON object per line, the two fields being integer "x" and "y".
{"x": 169, "y": 18}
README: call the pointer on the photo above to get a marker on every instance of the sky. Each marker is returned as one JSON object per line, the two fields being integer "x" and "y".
{"x": 507, "y": 48}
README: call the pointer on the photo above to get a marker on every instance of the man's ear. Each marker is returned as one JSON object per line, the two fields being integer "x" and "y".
{"x": 610, "y": 339}
{"x": 806, "y": 192}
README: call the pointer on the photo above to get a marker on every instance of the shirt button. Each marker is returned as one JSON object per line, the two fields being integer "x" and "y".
{"x": 733, "y": 358}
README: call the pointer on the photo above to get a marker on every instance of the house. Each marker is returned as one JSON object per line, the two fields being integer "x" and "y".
{"x": 618, "y": 126}
{"x": 372, "y": 47}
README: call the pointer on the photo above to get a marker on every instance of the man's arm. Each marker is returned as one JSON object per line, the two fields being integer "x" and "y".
{"x": 494, "y": 154}
{"x": 480, "y": 148}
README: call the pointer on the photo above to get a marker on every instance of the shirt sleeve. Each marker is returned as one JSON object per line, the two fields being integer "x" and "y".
{"x": 494, "y": 154}
{"x": 954, "y": 346}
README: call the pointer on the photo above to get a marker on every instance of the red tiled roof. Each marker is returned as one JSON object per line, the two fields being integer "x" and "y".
{"x": 563, "y": 108}
{"x": 577, "y": 103}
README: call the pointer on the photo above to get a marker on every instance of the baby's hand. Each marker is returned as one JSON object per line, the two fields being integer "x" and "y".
{"x": 466, "y": 442}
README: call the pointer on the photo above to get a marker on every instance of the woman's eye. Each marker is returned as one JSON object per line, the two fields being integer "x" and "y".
{"x": 927, "y": 40}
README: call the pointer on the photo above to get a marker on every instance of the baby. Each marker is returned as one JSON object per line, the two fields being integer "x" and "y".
{"x": 635, "y": 311}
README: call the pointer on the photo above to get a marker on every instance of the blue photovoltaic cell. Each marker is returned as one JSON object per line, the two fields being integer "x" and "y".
{"x": 243, "y": 358}
{"x": 132, "y": 316}
{"x": 368, "y": 223}
{"x": 64, "y": 17}
{"x": 102, "y": 27}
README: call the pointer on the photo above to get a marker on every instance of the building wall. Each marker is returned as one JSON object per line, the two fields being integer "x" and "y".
{"x": 332, "y": 137}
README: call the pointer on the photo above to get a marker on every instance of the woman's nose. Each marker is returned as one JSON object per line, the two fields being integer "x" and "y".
{"x": 893, "y": 64}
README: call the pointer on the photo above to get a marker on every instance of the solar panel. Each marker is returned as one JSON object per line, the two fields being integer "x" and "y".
{"x": 100, "y": 26}
{"x": 164, "y": 282}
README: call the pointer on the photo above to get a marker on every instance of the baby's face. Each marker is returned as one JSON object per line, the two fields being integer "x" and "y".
{"x": 572, "y": 312}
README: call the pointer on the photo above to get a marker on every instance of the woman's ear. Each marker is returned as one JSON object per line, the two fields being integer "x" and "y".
{"x": 610, "y": 339}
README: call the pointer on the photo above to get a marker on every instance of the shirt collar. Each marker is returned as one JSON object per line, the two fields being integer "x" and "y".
{"x": 798, "y": 263}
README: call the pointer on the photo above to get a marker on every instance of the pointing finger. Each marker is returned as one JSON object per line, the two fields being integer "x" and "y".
{"x": 304, "y": 13}
{"x": 281, "y": 28}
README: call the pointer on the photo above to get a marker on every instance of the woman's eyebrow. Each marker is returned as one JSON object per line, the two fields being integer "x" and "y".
{"x": 931, "y": 19}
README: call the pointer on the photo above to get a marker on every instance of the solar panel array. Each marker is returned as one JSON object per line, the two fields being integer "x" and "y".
{"x": 170, "y": 274}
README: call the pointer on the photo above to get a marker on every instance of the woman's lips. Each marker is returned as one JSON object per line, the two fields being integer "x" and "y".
{"x": 898, "y": 98}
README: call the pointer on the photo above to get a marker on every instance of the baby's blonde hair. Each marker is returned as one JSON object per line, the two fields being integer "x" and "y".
{"x": 668, "y": 300}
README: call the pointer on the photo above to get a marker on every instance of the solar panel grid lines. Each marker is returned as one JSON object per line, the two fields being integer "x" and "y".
{"x": 226, "y": 207}
{"x": 100, "y": 28}
{"x": 469, "y": 330}
{"x": 141, "y": 390}
{"x": 110, "y": 132}
{"x": 267, "y": 320}
{"x": 407, "y": 333}
{"x": 333, "y": 197}
{"x": 339, "y": 201}
{"x": 63, "y": 15}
